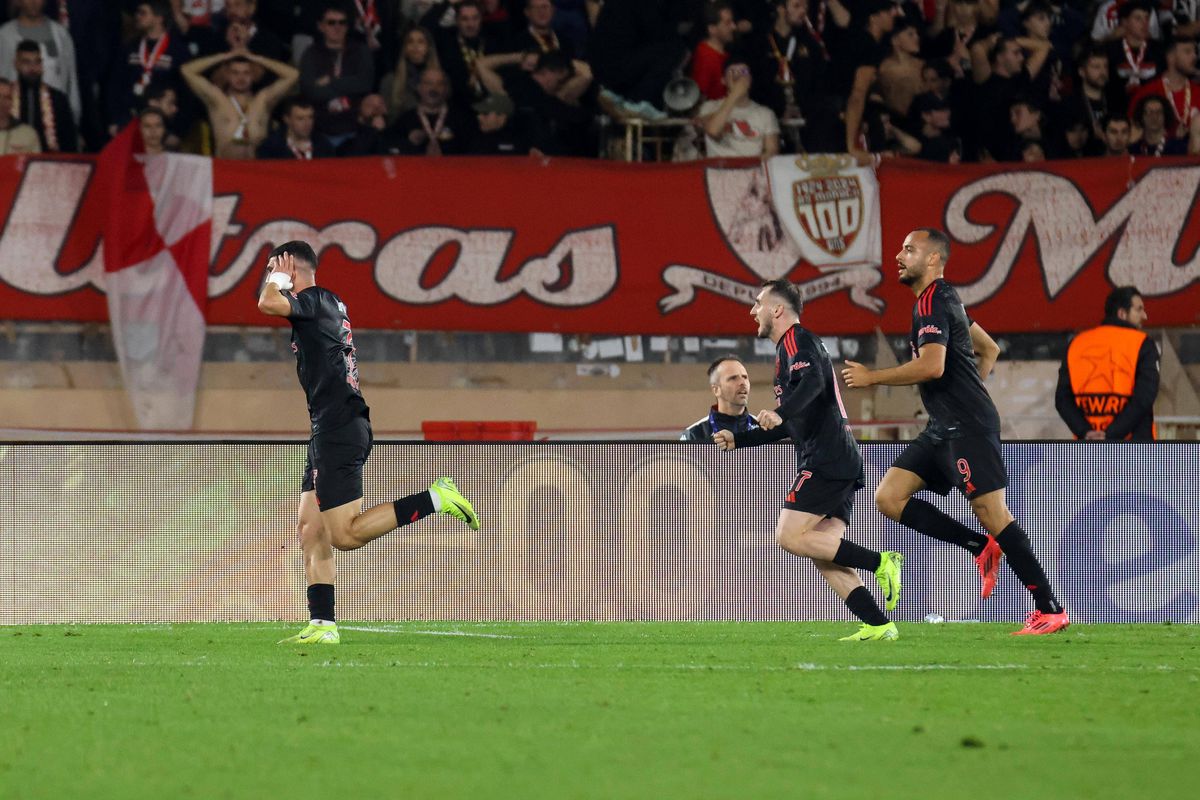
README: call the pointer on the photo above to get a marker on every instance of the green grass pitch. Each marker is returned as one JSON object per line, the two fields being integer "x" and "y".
{"x": 598, "y": 710}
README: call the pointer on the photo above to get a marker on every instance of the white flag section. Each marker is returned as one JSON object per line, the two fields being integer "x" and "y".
{"x": 829, "y": 207}
{"x": 156, "y": 270}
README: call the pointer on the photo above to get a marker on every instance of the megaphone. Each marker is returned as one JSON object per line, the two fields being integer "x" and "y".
{"x": 681, "y": 95}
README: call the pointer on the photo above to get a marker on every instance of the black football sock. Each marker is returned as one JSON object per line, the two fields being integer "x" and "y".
{"x": 862, "y": 605}
{"x": 1015, "y": 543}
{"x": 856, "y": 556}
{"x": 412, "y": 508}
{"x": 320, "y": 602}
{"x": 927, "y": 519}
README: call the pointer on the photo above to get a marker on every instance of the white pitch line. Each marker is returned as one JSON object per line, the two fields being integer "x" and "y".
{"x": 426, "y": 633}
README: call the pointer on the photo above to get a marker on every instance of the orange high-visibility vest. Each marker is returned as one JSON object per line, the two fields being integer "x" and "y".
{"x": 1103, "y": 366}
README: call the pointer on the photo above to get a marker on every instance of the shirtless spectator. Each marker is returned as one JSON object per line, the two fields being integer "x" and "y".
{"x": 436, "y": 127}
{"x": 399, "y": 87}
{"x": 239, "y": 116}
{"x": 710, "y": 55}
{"x": 298, "y": 139}
{"x": 735, "y": 126}
{"x": 335, "y": 73}
{"x": 900, "y": 71}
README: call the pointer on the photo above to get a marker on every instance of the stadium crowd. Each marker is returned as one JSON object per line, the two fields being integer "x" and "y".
{"x": 944, "y": 80}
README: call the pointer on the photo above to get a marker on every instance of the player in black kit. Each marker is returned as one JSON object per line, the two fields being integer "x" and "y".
{"x": 330, "y": 516}
{"x": 960, "y": 446}
{"x": 829, "y": 466}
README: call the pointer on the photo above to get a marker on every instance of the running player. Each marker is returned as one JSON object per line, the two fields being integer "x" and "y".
{"x": 829, "y": 466}
{"x": 330, "y": 516}
{"x": 960, "y": 446}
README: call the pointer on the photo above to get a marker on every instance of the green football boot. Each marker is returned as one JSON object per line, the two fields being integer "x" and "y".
{"x": 315, "y": 634}
{"x": 888, "y": 577}
{"x": 453, "y": 503}
{"x": 872, "y": 633}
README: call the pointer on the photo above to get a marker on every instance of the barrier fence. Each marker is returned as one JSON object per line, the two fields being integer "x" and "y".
{"x": 141, "y": 532}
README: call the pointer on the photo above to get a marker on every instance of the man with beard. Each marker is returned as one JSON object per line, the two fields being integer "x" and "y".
{"x": 42, "y": 107}
{"x": 239, "y": 116}
{"x": 960, "y": 447}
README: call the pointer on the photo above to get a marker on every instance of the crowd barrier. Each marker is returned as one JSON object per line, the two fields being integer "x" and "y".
{"x": 145, "y": 532}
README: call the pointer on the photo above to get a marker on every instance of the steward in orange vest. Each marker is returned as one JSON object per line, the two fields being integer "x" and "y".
{"x": 1109, "y": 378}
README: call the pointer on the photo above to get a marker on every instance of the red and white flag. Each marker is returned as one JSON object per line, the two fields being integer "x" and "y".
{"x": 156, "y": 258}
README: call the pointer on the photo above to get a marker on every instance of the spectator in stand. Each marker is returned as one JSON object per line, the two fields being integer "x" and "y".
{"x": 500, "y": 130}
{"x": 1009, "y": 74}
{"x": 1027, "y": 123}
{"x": 538, "y": 35}
{"x": 399, "y": 87}
{"x": 436, "y": 127}
{"x": 96, "y": 34}
{"x": 297, "y": 139}
{"x": 195, "y": 20}
{"x": 460, "y": 46}
{"x": 1108, "y": 25}
{"x": 335, "y": 73}
{"x": 954, "y": 28}
{"x": 1067, "y": 26}
{"x": 57, "y": 48}
{"x": 153, "y": 127}
{"x": 1032, "y": 151}
{"x": 240, "y": 15}
{"x": 938, "y": 143}
{"x": 1133, "y": 58}
{"x": 16, "y": 138}
{"x": 1036, "y": 20}
{"x": 789, "y": 77}
{"x": 1177, "y": 86}
{"x": 900, "y": 71}
{"x": 154, "y": 58}
{"x": 856, "y": 67}
{"x": 556, "y": 128}
{"x": 239, "y": 116}
{"x": 375, "y": 24}
{"x": 635, "y": 49}
{"x": 1116, "y": 136}
{"x": 1079, "y": 140}
{"x": 1090, "y": 98}
{"x": 1186, "y": 14}
{"x": 42, "y": 107}
{"x": 573, "y": 22}
{"x": 709, "y": 57}
{"x": 164, "y": 100}
{"x": 372, "y": 122}
{"x": 1151, "y": 117}
{"x": 735, "y": 126}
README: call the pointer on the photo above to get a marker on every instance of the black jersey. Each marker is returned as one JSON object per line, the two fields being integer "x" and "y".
{"x": 958, "y": 403}
{"x": 325, "y": 360}
{"x": 810, "y": 404}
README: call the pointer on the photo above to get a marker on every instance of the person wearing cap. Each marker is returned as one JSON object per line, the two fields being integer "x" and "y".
{"x": 555, "y": 126}
{"x": 937, "y": 141}
{"x": 500, "y": 131}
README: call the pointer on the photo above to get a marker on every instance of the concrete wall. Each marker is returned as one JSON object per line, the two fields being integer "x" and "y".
{"x": 656, "y": 398}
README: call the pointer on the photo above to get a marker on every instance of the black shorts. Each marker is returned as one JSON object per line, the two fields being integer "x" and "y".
{"x": 334, "y": 467}
{"x": 972, "y": 464}
{"x": 828, "y": 497}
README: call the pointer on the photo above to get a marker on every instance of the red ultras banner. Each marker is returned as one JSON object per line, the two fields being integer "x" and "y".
{"x": 603, "y": 247}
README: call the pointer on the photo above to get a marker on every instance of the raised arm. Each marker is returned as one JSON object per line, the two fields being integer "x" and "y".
{"x": 287, "y": 76}
{"x": 486, "y": 68}
{"x": 194, "y": 74}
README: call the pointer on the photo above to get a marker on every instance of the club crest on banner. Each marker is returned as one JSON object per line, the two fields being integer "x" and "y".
{"x": 820, "y": 210}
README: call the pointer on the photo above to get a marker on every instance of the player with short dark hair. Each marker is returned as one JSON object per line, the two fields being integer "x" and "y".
{"x": 330, "y": 515}
{"x": 829, "y": 466}
{"x": 960, "y": 446}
